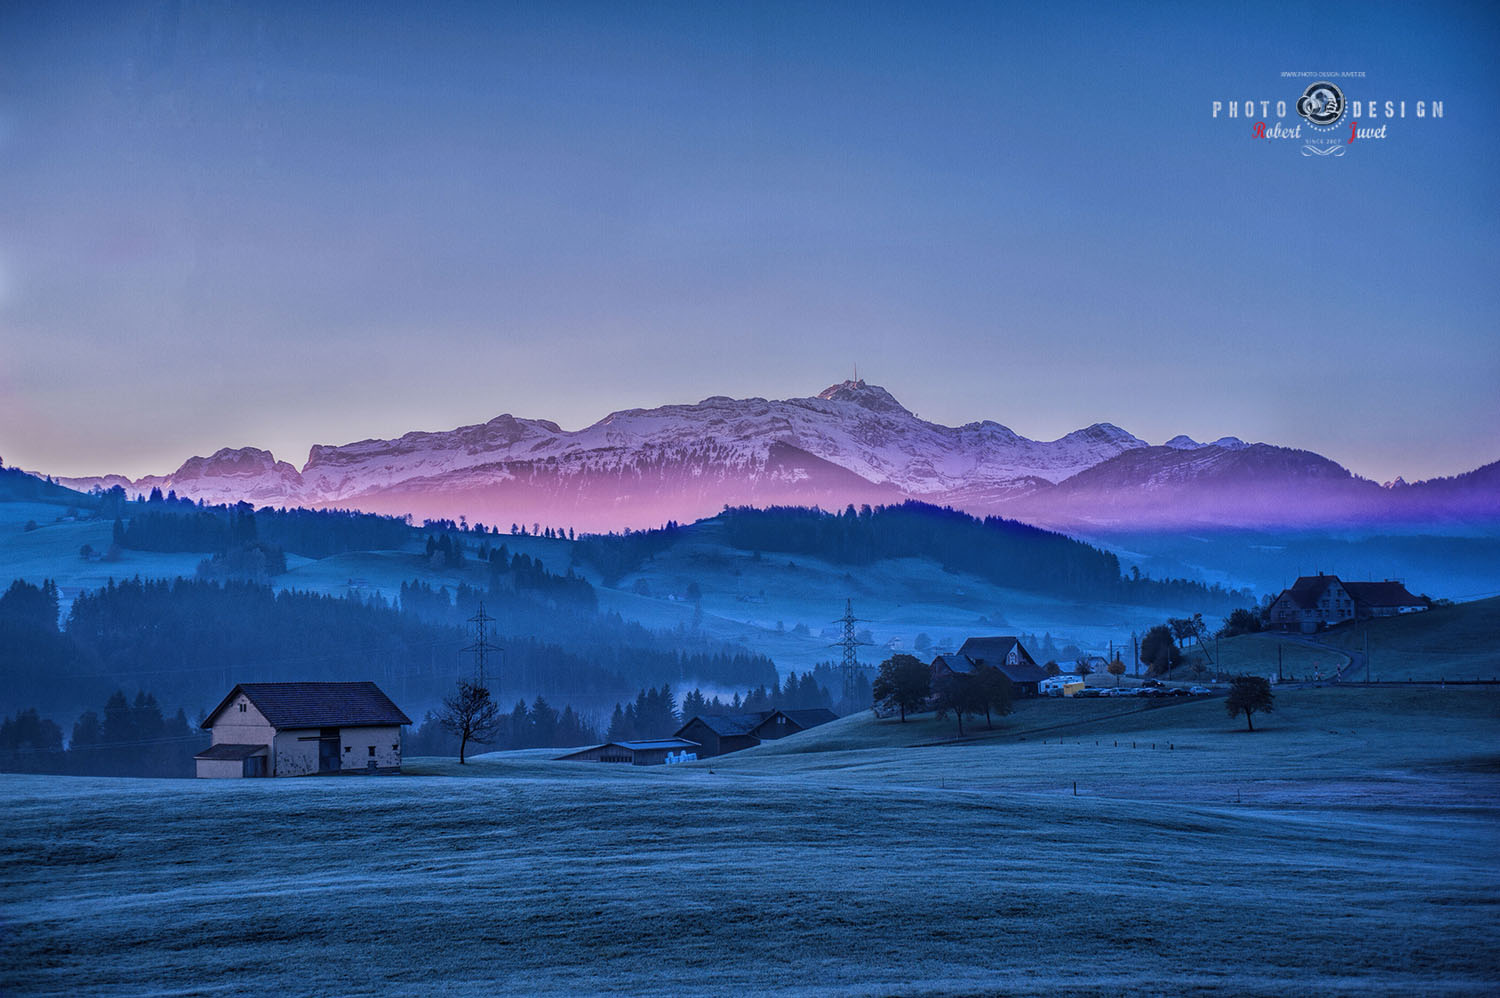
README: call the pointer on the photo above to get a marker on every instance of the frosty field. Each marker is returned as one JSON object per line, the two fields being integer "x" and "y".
{"x": 1347, "y": 847}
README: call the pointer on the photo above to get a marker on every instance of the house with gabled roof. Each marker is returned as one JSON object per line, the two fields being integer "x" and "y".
{"x": 1004, "y": 652}
{"x": 1314, "y": 602}
{"x": 302, "y": 729}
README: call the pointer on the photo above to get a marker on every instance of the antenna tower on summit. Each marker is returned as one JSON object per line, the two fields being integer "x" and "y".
{"x": 850, "y": 644}
{"x": 481, "y": 646}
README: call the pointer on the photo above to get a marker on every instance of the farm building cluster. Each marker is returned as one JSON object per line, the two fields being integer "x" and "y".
{"x": 707, "y": 735}
{"x": 1315, "y": 602}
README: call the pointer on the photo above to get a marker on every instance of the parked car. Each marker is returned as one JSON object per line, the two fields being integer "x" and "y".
{"x": 1178, "y": 691}
{"x": 1200, "y": 691}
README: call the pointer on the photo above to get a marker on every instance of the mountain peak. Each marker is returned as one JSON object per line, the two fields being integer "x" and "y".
{"x": 871, "y": 397}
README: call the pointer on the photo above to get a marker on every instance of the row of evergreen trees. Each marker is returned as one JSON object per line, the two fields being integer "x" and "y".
{"x": 655, "y": 714}
{"x": 196, "y": 638}
{"x": 179, "y": 525}
{"x": 126, "y": 738}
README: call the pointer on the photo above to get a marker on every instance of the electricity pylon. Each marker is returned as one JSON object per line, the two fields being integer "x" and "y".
{"x": 850, "y": 644}
{"x": 481, "y": 646}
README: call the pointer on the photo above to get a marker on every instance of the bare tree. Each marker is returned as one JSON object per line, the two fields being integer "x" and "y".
{"x": 471, "y": 715}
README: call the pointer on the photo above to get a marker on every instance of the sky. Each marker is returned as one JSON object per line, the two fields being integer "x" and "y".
{"x": 275, "y": 225}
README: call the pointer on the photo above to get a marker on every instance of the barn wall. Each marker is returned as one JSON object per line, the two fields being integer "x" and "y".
{"x": 355, "y": 745}
{"x": 247, "y": 728}
{"x": 220, "y": 769}
{"x": 294, "y": 757}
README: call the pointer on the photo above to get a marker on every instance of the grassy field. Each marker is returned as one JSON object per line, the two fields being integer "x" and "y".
{"x": 1447, "y": 642}
{"x": 1346, "y": 847}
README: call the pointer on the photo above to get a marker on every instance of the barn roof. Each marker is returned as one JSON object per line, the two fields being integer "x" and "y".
{"x": 317, "y": 705}
{"x": 954, "y": 663}
{"x": 657, "y": 743}
{"x": 1308, "y": 589}
{"x": 230, "y": 752}
{"x": 810, "y": 717}
{"x": 636, "y": 746}
{"x": 725, "y": 725}
{"x": 963, "y": 664}
{"x": 1382, "y": 594}
{"x": 992, "y": 651}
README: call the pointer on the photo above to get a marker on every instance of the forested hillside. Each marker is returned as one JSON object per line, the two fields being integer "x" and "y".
{"x": 1005, "y": 552}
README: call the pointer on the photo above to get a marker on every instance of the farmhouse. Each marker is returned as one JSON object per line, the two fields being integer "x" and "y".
{"x": 299, "y": 729}
{"x": 1004, "y": 653}
{"x": 653, "y": 752}
{"x": 1318, "y": 601}
{"x": 722, "y": 733}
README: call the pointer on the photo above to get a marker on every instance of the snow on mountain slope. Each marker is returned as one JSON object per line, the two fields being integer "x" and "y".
{"x": 853, "y": 442}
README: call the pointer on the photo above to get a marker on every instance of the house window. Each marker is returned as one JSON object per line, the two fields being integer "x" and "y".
{"x": 372, "y": 751}
{"x": 242, "y": 708}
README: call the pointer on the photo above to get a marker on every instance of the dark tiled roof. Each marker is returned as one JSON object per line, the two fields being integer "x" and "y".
{"x": 725, "y": 725}
{"x": 992, "y": 651}
{"x": 1382, "y": 594}
{"x": 811, "y": 717}
{"x": 230, "y": 752}
{"x": 317, "y": 705}
{"x": 1025, "y": 671}
{"x": 954, "y": 663}
{"x": 1307, "y": 590}
{"x": 1022, "y": 672}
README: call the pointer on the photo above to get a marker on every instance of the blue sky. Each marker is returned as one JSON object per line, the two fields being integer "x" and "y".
{"x": 279, "y": 225}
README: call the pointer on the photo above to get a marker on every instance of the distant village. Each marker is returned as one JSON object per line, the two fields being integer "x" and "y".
{"x": 301, "y": 729}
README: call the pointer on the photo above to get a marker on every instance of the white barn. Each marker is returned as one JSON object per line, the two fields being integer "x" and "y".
{"x": 302, "y": 729}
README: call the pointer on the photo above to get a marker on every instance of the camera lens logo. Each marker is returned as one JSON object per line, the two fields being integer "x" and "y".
{"x": 1321, "y": 104}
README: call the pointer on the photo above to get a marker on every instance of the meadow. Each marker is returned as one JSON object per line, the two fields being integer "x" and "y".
{"x": 1347, "y": 846}
{"x": 1447, "y": 642}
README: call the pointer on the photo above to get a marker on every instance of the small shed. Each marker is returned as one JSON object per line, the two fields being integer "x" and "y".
{"x": 301, "y": 729}
{"x": 652, "y": 752}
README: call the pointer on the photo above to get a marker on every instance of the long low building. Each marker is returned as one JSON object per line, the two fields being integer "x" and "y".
{"x": 302, "y": 729}
{"x": 649, "y": 752}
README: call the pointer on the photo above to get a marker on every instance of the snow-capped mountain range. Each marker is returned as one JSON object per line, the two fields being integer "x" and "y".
{"x": 853, "y": 442}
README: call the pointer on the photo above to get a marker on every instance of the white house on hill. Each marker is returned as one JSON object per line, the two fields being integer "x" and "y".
{"x": 301, "y": 729}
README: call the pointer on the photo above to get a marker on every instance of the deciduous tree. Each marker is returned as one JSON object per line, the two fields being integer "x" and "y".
{"x": 1248, "y": 694}
{"x": 958, "y": 693}
{"x": 905, "y": 681}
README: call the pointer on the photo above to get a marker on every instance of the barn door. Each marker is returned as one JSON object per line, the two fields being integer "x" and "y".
{"x": 328, "y": 750}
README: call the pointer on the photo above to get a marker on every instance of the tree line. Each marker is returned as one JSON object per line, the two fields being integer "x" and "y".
{"x": 124, "y": 738}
